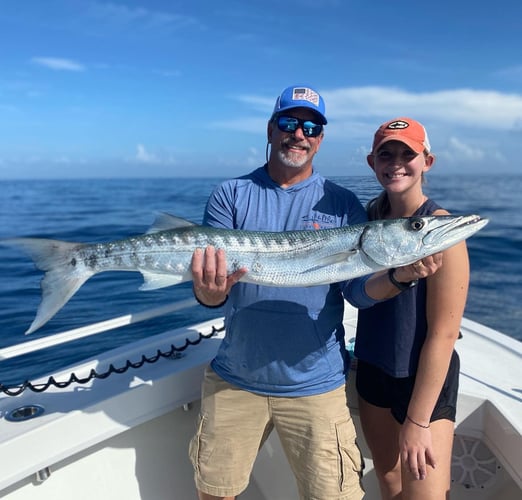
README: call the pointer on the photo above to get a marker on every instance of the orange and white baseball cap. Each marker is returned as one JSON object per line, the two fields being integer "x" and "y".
{"x": 410, "y": 132}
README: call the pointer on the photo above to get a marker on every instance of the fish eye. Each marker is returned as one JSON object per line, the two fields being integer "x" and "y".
{"x": 416, "y": 223}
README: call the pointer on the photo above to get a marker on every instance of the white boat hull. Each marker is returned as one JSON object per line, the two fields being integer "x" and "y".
{"x": 126, "y": 437}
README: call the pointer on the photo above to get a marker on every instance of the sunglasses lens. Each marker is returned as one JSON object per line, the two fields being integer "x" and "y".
{"x": 289, "y": 124}
{"x": 310, "y": 129}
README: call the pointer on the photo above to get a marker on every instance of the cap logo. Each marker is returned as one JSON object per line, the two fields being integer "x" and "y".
{"x": 305, "y": 94}
{"x": 398, "y": 125}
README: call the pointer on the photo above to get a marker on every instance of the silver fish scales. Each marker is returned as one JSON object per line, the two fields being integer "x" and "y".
{"x": 285, "y": 259}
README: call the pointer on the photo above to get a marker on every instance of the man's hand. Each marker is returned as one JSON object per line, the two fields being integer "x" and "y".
{"x": 209, "y": 276}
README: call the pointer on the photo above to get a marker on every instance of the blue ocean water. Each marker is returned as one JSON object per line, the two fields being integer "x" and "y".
{"x": 103, "y": 210}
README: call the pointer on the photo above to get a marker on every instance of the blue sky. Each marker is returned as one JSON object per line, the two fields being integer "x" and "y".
{"x": 184, "y": 88}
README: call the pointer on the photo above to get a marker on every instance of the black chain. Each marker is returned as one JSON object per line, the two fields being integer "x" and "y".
{"x": 74, "y": 379}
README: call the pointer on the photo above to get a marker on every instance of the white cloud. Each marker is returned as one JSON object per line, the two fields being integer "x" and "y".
{"x": 58, "y": 64}
{"x": 475, "y": 108}
{"x": 258, "y": 103}
{"x": 254, "y": 157}
{"x": 461, "y": 150}
{"x": 143, "y": 156}
{"x": 112, "y": 14}
{"x": 251, "y": 125}
{"x": 511, "y": 73}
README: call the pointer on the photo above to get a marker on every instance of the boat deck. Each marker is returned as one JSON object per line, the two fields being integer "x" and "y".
{"x": 136, "y": 425}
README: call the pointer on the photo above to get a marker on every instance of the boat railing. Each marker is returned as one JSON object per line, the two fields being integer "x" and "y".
{"x": 173, "y": 352}
{"x": 92, "y": 329}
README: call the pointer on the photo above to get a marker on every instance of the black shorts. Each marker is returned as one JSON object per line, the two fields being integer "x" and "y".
{"x": 380, "y": 389}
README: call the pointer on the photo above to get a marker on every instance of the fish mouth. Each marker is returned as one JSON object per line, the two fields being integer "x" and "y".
{"x": 453, "y": 231}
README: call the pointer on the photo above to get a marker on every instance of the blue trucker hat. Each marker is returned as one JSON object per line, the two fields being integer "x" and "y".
{"x": 300, "y": 97}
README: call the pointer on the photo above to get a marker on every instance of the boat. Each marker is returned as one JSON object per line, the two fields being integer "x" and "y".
{"x": 118, "y": 426}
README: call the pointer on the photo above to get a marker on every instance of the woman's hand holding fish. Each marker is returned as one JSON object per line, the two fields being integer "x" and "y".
{"x": 380, "y": 287}
{"x": 420, "y": 269}
{"x": 209, "y": 276}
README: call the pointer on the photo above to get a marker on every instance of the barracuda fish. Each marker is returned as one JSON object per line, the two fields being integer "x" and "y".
{"x": 285, "y": 259}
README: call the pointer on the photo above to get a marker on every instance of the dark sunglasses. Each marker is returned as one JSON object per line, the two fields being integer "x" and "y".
{"x": 290, "y": 124}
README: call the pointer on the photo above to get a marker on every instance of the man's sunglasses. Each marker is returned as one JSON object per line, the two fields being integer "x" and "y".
{"x": 290, "y": 124}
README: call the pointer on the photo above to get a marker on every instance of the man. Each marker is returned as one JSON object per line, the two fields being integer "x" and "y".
{"x": 282, "y": 363}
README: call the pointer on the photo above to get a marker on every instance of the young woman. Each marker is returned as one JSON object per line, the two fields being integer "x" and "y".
{"x": 407, "y": 376}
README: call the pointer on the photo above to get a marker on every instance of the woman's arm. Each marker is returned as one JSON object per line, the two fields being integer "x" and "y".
{"x": 446, "y": 298}
{"x": 380, "y": 287}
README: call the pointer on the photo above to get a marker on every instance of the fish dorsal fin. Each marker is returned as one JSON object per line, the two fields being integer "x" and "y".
{"x": 165, "y": 221}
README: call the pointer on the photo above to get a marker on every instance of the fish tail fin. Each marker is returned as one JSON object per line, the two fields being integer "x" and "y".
{"x": 63, "y": 276}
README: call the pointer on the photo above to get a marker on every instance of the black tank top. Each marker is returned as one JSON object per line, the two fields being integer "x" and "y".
{"x": 391, "y": 333}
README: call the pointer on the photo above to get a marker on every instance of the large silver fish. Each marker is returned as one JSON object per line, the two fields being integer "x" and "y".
{"x": 285, "y": 259}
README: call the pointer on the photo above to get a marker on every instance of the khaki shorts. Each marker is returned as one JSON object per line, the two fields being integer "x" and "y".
{"x": 317, "y": 434}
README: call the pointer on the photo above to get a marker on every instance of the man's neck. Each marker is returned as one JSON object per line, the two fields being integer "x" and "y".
{"x": 288, "y": 176}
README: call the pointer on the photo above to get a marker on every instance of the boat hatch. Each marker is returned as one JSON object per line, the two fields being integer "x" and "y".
{"x": 473, "y": 464}
{"x": 23, "y": 413}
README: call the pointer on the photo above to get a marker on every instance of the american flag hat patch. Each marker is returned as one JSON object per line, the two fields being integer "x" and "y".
{"x": 301, "y": 96}
{"x": 305, "y": 94}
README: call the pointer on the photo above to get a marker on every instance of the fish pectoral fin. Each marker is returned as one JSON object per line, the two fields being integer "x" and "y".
{"x": 329, "y": 260}
{"x": 152, "y": 281}
{"x": 164, "y": 222}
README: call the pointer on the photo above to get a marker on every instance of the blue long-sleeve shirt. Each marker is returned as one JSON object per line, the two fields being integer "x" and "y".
{"x": 283, "y": 341}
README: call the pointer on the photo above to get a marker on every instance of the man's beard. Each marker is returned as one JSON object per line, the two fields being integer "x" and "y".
{"x": 294, "y": 160}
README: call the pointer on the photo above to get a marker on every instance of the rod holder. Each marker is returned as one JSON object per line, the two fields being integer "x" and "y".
{"x": 43, "y": 474}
